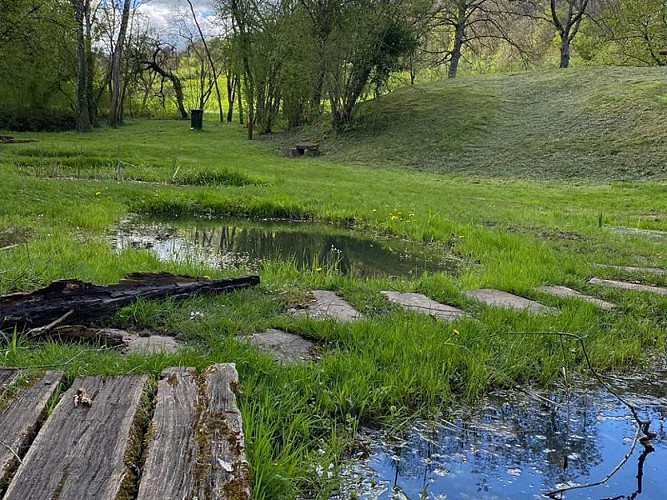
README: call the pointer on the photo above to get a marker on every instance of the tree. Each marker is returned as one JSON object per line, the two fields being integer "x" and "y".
{"x": 83, "y": 97}
{"x": 566, "y": 16}
{"x": 210, "y": 59}
{"x": 636, "y": 30}
{"x": 115, "y": 108}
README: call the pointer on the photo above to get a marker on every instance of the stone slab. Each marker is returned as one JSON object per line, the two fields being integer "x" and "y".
{"x": 154, "y": 344}
{"x": 285, "y": 347}
{"x": 625, "y": 285}
{"x": 633, "y": 269}
{"x": 499, "y": 298}
{"x": 328, "y": 305}
{"x": 423, "y": 304}
{"x": 569, "y": 293}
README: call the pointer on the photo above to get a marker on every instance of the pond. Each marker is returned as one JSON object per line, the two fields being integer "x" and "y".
{"x": 520, "y": 447}
{"x": 245, "y": 244}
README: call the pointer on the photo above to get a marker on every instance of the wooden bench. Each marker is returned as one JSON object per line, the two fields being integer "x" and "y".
{"x": 303, "y": 148}
{"x": 98, "y": 444}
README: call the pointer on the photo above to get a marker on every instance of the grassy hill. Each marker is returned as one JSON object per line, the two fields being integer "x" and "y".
{"x": 592, "y": 123}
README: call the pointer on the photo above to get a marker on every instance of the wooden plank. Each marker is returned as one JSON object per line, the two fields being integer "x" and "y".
{"x": 228, "y": 475}
{"x": 169, "y": 471}
{"x": 197, "y": 448}
{"x": 81, "y": 451}
{"x": 7, "y": 377}
{"x": 19, "y": 421}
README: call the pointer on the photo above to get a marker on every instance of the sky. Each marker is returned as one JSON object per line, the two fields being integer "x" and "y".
{"x": 161, "y": 12}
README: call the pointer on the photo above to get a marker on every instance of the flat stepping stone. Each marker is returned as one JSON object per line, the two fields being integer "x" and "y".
{"x": 328, "y": 305}
{"x": 196, "y": 447}
{"x": 84, "y": 450}
{"x": 19, "y": 421}
{"x": 498, "y": 298}
{"x": 421, "y": 303}
{"x": 285, "y": 347}
{"x": 154, "y": 344}
{"x": 625, "y": 285}
{"x": 633, "y": 269}
{"x": 569, "y": 293}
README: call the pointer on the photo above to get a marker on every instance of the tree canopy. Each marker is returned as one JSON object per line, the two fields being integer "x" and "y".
{"x": 66, "y": 63}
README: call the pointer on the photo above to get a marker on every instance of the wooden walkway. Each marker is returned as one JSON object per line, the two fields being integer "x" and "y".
{"x": 123, "y": 437}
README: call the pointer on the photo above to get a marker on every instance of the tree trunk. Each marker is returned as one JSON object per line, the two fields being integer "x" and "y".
{"x": 176, "y": 83}
{"x": 83, "y": 123}
{"x": 240, "y": 98}
{"x": 231, "y": 95}
{"x": 564, "y": 51}
{"x": 210, "y": 60}
{"x": 459, "y": 33}
{"x": 115, "y": 108}
{"x": 78, "y": 301}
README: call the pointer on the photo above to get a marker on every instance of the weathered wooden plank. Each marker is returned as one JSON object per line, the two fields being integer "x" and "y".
{"x": 83, "y": 302}
{"x": 197, "y": 448}
{"x": 19, "y": 421}
{"x": 169, "y": 470}
{"x": 228, "y": 475}
{"x": 81, "y": 451}
{"x": 7, "y": 377}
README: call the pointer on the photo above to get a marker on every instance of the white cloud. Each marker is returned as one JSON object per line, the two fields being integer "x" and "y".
{"x": 162, "y": 15}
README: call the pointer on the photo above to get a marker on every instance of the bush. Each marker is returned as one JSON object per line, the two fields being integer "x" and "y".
{"x": 36, "y": 120}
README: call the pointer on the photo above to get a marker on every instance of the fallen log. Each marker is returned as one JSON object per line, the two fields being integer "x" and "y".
{"x": 88, "y": 302}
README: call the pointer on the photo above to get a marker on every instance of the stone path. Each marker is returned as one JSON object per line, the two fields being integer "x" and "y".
{"x": 90, "y": 445}
{"x": 154, "y": 344}
{"x": 498, "y": 298}
{"x": 328, "y": 305}
{"x": 421, "y": 303}
{"x": 633, "y": 269}
{"x": 625, "y": 285}
{"x": 563, "y": 291}
{"x": 285, "y": 347}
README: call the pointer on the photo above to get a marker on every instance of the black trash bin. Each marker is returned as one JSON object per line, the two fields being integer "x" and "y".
{"x": 196, "y": 119}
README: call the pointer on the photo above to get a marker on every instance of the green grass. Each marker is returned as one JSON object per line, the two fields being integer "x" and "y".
{"x": 489, "y": 181}
{"x": 584, "y": 124}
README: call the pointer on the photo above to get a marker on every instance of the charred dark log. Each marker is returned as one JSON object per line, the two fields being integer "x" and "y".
{"x": 88, "y": 302}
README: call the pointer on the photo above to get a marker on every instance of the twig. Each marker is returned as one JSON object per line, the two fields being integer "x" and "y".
{"x": 36, "y": 332}
{"x": 642, "y": 425}
{"x": 553, "y": 493}
{"x": 11, "y": 450}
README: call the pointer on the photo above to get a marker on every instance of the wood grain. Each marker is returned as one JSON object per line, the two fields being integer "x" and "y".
{"x": 80, "y": 451}
{"x": 169, "y": 471}
{"x": 228, "y": 475}
{"x": 7, "y": 377}
{"x": 19, "y": 421}
{"x": 197, "y": 448}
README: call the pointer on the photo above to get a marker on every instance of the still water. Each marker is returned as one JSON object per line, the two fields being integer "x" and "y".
{"x": 234, "y": 244}
{"x": 520, "y": 447}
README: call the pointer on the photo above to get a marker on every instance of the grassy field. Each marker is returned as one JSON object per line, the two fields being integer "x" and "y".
{"x": 527, "y": 178}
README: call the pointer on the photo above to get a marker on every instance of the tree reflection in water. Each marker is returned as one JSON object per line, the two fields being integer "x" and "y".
{"x": 242, "y": 244}
{"x": 516, "y": 447}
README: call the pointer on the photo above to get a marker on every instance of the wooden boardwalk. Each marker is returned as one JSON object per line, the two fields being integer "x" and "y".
{"x": 123, "y": 437}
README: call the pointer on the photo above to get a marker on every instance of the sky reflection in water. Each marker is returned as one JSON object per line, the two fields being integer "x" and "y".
{"x": 518, "y": 448}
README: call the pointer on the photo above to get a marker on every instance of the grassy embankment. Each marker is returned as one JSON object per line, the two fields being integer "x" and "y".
{"x": 524, "y": 176}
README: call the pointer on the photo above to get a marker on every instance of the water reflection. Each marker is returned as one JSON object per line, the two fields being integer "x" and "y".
{"x": 518, "y": 447}
{"x": 237, "y": 244}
